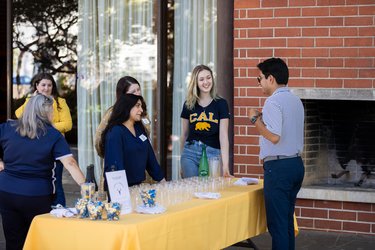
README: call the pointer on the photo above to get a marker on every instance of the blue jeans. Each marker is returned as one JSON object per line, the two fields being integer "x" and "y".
{"x": 282, "y": 181}
{"x": 59, "y": 192}
{"x": 191, "y": 156}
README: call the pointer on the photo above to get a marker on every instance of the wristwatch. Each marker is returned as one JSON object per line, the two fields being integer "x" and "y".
{"x": 254, "y": 119}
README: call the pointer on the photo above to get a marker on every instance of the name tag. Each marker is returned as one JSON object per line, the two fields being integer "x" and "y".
{"x": 143, "y": 137}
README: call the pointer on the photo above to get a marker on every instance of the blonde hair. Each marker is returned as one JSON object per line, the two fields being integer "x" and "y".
{"x": 193, "y": 89}
{"x": 35, "y": 117}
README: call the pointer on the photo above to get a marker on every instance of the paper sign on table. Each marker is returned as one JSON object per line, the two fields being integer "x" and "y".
{"x": 119, "y": 190}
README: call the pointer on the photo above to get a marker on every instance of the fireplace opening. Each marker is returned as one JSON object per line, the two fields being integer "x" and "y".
{"x": 339, "y": 147}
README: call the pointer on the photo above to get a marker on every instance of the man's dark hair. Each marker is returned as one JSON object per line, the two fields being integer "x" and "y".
{"x": 275, "y": 67}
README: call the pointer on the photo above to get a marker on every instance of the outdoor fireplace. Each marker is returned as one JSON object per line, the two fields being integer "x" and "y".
{"x": 339, "y": 152}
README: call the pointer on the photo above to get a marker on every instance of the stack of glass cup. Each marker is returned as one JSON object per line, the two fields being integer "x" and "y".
{"x": 175, "y": 192}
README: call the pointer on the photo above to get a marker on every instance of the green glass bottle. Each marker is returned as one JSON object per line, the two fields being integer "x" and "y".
{"x": 203, "y": 163}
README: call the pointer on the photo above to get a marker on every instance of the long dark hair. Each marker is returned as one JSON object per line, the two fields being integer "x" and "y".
{"x": 36, "y": 80}
{"x": 122, "y": 88}
{"x": 121, "y": 113}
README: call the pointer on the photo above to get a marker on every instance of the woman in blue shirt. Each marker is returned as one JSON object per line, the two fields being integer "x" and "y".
{"x": 125, "y": 143}
{"x": 31, "y": 145}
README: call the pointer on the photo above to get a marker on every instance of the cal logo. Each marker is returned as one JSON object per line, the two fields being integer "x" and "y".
{"x": 202, "y": 126}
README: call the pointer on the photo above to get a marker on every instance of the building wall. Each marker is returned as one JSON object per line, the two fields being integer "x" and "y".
{"x": 327, "y": 44}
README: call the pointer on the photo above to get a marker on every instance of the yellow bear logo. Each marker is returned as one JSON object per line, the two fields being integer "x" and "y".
{"x": 202, "y": 126}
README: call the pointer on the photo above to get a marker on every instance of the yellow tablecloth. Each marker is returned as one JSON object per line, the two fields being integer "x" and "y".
{"x": 196, "y": 224}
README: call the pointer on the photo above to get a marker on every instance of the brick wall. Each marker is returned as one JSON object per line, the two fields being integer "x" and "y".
{"x": 336, "y": 216}
{"x": 327, "y": 44}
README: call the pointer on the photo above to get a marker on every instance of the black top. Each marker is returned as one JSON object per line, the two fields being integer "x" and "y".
{"x": 204, "y": 122}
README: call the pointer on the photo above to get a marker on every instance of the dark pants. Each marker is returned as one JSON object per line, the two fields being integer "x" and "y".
{"x": 17, "y": 212}
{"x": 282, "y": 181}
{"x": 59, "y": 192}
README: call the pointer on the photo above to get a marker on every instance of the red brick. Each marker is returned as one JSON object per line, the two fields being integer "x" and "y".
{"x": 287, "y": 52}
{"x": 248, "y": 140}
{"x": 343, "y": 11}
{"x": 252, "y": 149}
{"x": 246, "y": 43}
{"x": 358, "y": 21}
{"x": 315, "y": 32}
{"x": 260, "y": 53}
{"x": 301, "y": 22}
{"x": 358, "y": 62}
{"x": 359, "y": 2}
{"x": 301, "y": 3}
{"x": 315, "y": 52}
{"x": 357, "y": 83}
{"x": 304, "y": 203}
{"x": 277, "y": 22}
{"x": 287, "y": 12}
{"x": 241, "y": 62}
{"x": 302, "y": 83}
{"x": 330, "y": 2}
{"x": 255, "y": 169}
{"x": 329, "y": 42}
{"x": 356, "y": 227}
{"x": 300, "y": 42}
{"x": 329, "y": 21}
{"x": 328, "y": 224}
{"x": 305, "y": 223}
{"x": 256, "y": 33}
{"x": 247, "y": 159}
{"x": 248, "y": 23}
{"x": 344, "y": 31}
{"x": 330, "y": 62}
{"x": 256, "y": 13}
{"x": 342, "y": 215}
{"x": 314, "y": 213}
{"x": 240, "y": 82}
{"x": 366, "y": 10}
{"x": 343, "y": 73}
{"x": 366, "y": 73}
{"x": 368, "y": 217}
{"x": 329, "y": 83}
{"x": 366, "y": 52}
{"x": 287, "y": 32}
{"x": 275, "y": 42}
{"x": 358, "y": 42}
{"x": 273, "y": 3}
{"x": 239, "y": 4}
{"x": 315, "y": 11}
{"x": 315, "y": 72}
{"x": 344, "y": 52}
{"x": 246, "y": 101}
{"x": 301, "y": 62}
{"x": 366, "y": 31}
{"x": 328, "y": 204}
{"x": 357, "y": 206}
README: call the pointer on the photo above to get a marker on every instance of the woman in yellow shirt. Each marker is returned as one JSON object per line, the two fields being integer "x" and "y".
{"x": 44, "y": 83}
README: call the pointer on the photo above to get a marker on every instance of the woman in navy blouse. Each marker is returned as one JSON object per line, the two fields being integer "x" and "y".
{"x": 31, "y": 145}
{"x": 125, "y": 143}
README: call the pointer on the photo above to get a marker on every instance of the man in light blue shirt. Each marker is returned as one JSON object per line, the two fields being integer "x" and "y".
{"x": 281, "y": 126}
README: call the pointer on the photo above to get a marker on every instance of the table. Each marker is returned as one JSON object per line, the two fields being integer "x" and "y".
{"x": 196, "y": 224}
